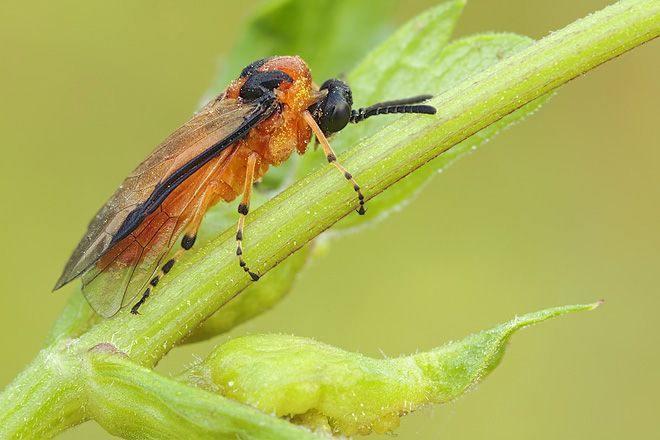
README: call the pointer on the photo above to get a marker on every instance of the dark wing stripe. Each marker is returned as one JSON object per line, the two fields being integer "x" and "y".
{"x": 165, "y": 188}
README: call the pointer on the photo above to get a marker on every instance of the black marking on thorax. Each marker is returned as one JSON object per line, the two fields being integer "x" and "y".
{"x": 254, "y": 66}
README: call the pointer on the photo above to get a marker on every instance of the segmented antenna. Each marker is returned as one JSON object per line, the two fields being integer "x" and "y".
{"x": 405, "y": 105}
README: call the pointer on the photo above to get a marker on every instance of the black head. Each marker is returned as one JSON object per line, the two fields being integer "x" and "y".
{"x": 334, "y": 111}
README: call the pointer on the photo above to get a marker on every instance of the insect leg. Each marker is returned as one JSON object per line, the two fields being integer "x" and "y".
{"x": 243, "y": 209}
{"x": 187, "y": 242}
{"x": 332, "y": 158}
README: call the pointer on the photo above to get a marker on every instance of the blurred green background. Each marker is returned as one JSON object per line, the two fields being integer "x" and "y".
{"x": 560, "y": 209}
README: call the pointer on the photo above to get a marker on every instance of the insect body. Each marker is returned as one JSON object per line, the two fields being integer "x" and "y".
{"x": 270, "y": 111}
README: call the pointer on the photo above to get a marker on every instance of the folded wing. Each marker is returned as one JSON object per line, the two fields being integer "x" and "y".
{"x": 130, "y": 234}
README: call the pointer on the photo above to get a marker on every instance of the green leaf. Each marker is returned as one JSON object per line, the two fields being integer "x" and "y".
{"x": 331, "y": 35}
{"x": 347, "y": 393}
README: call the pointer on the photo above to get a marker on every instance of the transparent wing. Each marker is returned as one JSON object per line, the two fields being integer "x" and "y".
{"x": 218, "y": 121}
{"x": 126, "y": 268}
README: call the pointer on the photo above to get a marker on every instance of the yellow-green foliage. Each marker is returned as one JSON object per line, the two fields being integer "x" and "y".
{"x": 100, "y": 369}
{"x": 339, "y": 392}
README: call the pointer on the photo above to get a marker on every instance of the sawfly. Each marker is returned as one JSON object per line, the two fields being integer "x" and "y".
{"x": 271, "y": 110}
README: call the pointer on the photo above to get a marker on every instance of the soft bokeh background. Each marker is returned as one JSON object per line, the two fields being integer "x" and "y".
{"x": 561, "y": 209}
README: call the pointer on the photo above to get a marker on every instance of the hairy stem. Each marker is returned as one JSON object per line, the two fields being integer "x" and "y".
{"x": 155, "y": 407}
{"x": 45, "y": 398}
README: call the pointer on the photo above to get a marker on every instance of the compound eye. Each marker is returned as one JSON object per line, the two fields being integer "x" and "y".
{"x": 337, "y": 116}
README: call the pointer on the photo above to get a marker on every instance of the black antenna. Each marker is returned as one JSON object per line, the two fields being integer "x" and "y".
{"x": 396, "y": 106}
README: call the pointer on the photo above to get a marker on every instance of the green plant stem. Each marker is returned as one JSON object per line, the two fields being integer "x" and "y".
{"x": 45, "y": 398}
{"x": 204, "y": 282}
{"x": 155, "y": 407}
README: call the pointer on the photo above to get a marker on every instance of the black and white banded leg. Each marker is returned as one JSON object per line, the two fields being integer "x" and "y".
{"x": 243, "y": 209}
{"x": 187, "y": 242}
{"x": 332, "y": 159}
